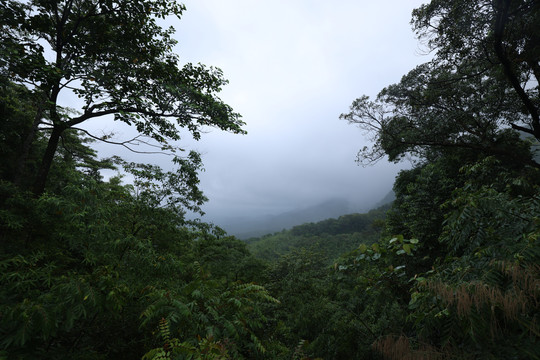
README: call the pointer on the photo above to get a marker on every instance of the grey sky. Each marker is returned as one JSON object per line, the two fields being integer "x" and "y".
{"x": 294, "y": 66}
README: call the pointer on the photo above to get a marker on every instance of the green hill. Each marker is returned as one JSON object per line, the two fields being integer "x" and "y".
{"x": 331, "y": 237}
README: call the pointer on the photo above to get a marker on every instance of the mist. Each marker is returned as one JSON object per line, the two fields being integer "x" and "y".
{"x": 293, "y": 68}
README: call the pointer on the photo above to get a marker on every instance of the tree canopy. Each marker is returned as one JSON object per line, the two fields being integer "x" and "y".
{"x": 117, "y": 59}
{"x": 481, "y": 82}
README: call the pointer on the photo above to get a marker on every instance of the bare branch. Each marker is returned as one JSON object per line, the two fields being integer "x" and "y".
{"x": 136, "y": 141}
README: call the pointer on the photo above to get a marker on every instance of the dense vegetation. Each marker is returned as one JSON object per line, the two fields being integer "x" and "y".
{"x": 331, "y": 237}
{"x": 101, "y": 269}
{"x": 95, "y": 268}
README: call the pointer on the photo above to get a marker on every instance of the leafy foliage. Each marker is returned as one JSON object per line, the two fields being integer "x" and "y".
{"x": 331, "y": 237}
{"x": 85, "y": 264}
{"x": 94, "y": 268}
{"x": 482, "y": 80}
{"x": 227, "y": 318}
{"x": 117, "y": 59}
{"x": 99, "y": 255}
{"x": 471, "y": 198}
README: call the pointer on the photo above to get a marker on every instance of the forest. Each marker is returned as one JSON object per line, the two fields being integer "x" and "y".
{"x": 105, "y": 268}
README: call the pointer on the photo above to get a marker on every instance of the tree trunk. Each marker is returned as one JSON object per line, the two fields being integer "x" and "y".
{"x": 502, "y": 14}
{"x": 46, "y": 162}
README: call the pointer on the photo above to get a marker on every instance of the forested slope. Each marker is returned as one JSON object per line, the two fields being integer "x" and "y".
{"x": 331, "y": 237}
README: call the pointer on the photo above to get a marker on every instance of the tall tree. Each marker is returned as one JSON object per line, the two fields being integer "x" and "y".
{"x": 115, "y": 57}
{"x": 482, "y": 81}
{"x": 471, "y": 201}
{"x": 500, "y": 34}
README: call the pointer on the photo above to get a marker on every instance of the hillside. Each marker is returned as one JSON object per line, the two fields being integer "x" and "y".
{"x": 249, "y": 227}
{"x": 330, "y": 237}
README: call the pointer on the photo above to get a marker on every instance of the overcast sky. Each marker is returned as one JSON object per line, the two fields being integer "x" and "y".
{"x": 294, "y": 66}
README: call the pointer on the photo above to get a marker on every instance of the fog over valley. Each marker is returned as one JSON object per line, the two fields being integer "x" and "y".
{"x": 293, "y": 68}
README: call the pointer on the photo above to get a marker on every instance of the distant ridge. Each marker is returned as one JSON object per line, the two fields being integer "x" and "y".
{"x": 389, "y": 198}
{"x": 244, "y": 228}
{"x": 330, "y": 237}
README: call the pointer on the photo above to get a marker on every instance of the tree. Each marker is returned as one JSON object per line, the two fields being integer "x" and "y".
{"x": 472, "y": 196}
{"x": 482, "y": 82}
{"x": 82, "y": 262}
{"x": 501, "y": 35}
{"x": 115, "y": 57}
{"x": 434, "y": 110}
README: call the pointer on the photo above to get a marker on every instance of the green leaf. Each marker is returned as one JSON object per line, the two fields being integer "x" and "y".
{"x": 362, "y": 248}
{"x": 407, "y": 248}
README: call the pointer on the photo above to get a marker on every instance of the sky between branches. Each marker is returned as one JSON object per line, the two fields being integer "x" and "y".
{"x": 294, "y": 66}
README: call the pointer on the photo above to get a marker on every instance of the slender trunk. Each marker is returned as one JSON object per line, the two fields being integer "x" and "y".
{"x": 499, "y": 27}
{"x": 48, "y": 156}
{"x": 58, "y": 126}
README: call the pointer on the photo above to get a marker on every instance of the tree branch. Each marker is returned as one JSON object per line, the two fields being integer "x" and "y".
{"x": 89, "y": 114}
{"x": 521, "y": 128}
{"x": 133, "y": 142}
{"x": 500, "y": 22}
